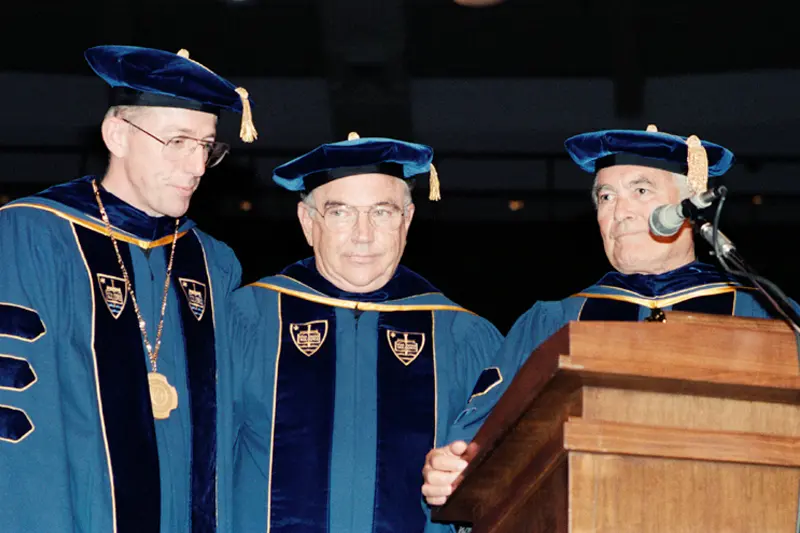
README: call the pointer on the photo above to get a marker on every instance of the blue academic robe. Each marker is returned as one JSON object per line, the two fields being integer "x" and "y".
{"x": 344, "y": 394}
{"x": 79, "y": 447}
{"x": 696, "y": 287}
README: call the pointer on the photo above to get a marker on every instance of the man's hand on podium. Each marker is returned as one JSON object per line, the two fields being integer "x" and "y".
{"x": 442, "y": 467}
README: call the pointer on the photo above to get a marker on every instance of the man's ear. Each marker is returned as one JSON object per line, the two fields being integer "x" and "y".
{"x": 306, "y": 219}
{"x": 115, "y": 136}
{"x": 409, "y": 215}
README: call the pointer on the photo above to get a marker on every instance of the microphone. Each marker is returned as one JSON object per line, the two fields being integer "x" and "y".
{"x": 666, "y": 220}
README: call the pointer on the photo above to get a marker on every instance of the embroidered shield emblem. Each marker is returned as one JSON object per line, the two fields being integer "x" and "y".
{"x": 195, "y": 296}
{"x": 115, "y": 293}
{"x": 309, "y": 336}
{"x": 405, "y": 346}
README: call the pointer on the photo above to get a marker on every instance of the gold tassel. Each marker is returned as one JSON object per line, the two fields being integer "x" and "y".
{"x": 352, "y": 136}
{"x": 697, "y": 160}
{"x": 434, "y": 194}
{"x": 248, "y": 131}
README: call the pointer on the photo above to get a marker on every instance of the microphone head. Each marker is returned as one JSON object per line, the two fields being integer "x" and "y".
{"x": 666, "y": 220}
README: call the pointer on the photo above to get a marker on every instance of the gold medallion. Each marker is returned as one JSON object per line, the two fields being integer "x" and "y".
{"x": 163, "y": 396}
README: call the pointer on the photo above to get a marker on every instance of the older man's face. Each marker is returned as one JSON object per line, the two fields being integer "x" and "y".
{"x": 358, "y": 229}
{"x": 626, "y": 195}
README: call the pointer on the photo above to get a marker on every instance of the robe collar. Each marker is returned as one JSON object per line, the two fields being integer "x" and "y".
{"x": 404, "y": 283}
{"x": 79, "y": 195}
{"x": 692, "y": 275}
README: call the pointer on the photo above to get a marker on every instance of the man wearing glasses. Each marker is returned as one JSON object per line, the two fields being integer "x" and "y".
{"x": 352, "y": 363}
{"x": 110, "y": 411}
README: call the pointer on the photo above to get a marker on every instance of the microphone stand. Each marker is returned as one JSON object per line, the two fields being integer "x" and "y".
{"x": 733, "y": 263}
{"x": 727, "y": 255}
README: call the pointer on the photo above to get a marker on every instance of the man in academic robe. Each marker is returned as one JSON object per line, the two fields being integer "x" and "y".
{"x": 634, "y": 172}
{"x": 110, "y": 404}
{"x": 354, "y": 365}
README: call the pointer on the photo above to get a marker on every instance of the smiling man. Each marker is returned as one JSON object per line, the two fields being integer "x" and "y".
{"x": 635, "y": 172}
{"x": 354, "y": 366}
{"x": 111, "y": 413}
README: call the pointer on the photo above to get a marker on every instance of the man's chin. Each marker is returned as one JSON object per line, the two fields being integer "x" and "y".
{"x": 628, "y": 259}
{"x": 361, "y": 286}
{"x": 175, "y": 209}
{"x": 639, "y": 263}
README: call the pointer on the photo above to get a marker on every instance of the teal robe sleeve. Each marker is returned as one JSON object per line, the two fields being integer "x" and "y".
{"x": 252, "y": 329}
{"x": 751, "y": 303}
{"x": 529, "y": 331}
{"x": 477, "y": 342}
{"x": 34, "y": 462}
{"x": 226, "y": 269}
{"x": 475, "y": 347}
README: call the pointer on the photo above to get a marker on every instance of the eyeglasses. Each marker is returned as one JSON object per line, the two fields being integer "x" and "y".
{"x": 342, "y": 217}
{"x": 182, "y": 146}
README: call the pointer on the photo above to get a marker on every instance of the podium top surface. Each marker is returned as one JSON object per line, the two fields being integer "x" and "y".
{"x": 751, "y": 352}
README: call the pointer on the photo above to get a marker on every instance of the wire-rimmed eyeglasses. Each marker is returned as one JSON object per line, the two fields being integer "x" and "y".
{"x": 343, "y": 217}
{"x": 177, "y": 148}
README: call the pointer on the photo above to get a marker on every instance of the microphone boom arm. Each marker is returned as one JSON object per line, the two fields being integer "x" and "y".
{"x": 726, "y": 252}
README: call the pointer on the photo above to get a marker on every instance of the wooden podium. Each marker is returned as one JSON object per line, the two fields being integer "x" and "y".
{"x": 687, "y": 425}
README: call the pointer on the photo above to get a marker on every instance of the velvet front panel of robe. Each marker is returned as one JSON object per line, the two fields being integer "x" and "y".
{"x": 190, "y": 273}
{"x": 124, "y": 393}
{"x": 354, "y": 415}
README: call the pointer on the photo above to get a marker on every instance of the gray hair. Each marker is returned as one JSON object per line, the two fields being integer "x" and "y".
{"x": 681, "y": 182}
{"x": 128, "y": 112}
{"x": 308, "y": 199}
